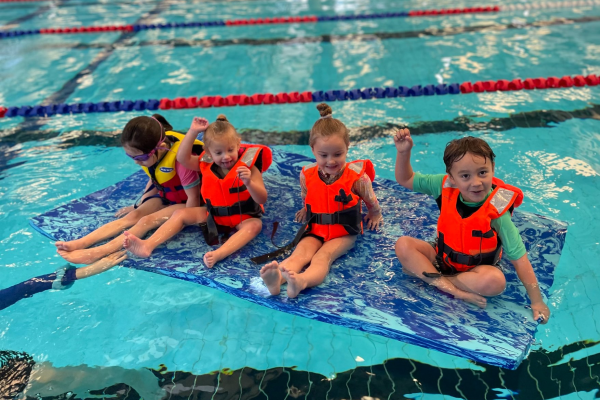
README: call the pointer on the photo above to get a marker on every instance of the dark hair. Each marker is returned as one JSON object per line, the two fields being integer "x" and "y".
{"x": 327, "y": 126}
{"x": 457, "y": 148}
{"x": 143, "y": 133}
{"x": 218, "y": 130}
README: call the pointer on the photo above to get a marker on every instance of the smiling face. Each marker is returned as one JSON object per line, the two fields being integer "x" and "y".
{"x": 224, "y": 151}
{"x": 472, "y": 175}
{"x": 330, "y": 153}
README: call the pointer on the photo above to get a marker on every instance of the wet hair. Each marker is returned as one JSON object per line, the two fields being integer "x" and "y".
{"x": 328, "y": 126}
{"x": 221, "y": 129}
{"x": 143, "y": 133}
{"x": 15, "y": 370}
{"x": 457, "y": 148}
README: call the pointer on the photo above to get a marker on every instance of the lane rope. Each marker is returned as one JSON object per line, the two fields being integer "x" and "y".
{"x": 297, "y": 19}
{"x": 301, "y": 97}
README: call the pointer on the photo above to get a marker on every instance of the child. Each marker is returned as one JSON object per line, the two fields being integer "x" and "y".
{"x": 232, "y": 186}
{"x": 474, "y": 225}
{"x": 152, "y": 144}
{"x": 332, "y": 191}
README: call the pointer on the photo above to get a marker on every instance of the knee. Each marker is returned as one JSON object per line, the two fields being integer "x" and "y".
{"x": 493, "y": 282}
{"x": 402, "y": 246}
{"x": 254, "y": 227}
{"x": 132, "y": 217}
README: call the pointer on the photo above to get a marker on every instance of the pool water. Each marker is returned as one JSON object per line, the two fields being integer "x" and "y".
{"x": 130, "y": 334}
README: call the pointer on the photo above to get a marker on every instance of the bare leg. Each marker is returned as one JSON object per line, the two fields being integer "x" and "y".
{"x": 143, "y": 226}
{"x": 417, "y": 256}
{"x": 112, "y": 228}
{"x": 102, "y": 265}
{"x": 318, "y": 269}
{"x": 246, "y": 231}
{"x": 303, "y": 253}
{"x": 485, "y": 280}
{"x": 180, "y": 219}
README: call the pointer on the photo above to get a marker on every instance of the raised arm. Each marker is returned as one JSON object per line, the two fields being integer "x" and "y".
{"x": 404, "y": 172}
{"x": 184, "y": 155}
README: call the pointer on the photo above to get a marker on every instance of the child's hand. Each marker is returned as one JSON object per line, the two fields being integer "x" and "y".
{"x": 199, "y": 125}
{"x": 124, "y": 211}
{"x": 374, "y": 220}
{"x": 403, "y": 140}
{"x": 300, "y": 215}
{"x": 245, "y": 174}
{"x": 540, "y": 311}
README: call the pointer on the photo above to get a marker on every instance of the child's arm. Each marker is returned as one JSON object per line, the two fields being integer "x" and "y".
{"x": 253, "y": 180}
{"x": 184, "y": 155}
{"x": 364, "y": 189}
{"x": 404, "y": 172}
{"x": 301, "y": 214}
{"x": 126, "y": 210}
{"x": 527, "y": 276}
{"x": 193, "y": 196}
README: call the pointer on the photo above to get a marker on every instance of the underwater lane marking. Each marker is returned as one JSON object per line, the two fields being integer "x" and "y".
{"x": 72, "y": 84}
{"x": 34, "y": 14}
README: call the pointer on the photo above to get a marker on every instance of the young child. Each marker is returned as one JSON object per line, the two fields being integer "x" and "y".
{"x": 232, "y": 186}
{"x": 332, "y": 191}
{"x": 474, "y": 224}
{"x": 152, "y": 144}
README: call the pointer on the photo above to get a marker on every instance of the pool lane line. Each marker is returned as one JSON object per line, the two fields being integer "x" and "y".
{"x": 41, "y": 10}
{"x": 72, "y": 84}
{"x": 471, "y": 123}
{"x": 289, "y": 20}
{"x": 365, "y": 37}
{"x": 54, "y": 103}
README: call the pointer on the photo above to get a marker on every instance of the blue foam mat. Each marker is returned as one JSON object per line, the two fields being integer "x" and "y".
{"x": 366, "y": 289}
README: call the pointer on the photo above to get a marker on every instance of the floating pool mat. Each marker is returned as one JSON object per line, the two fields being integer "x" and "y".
{"x": 366, "y": 289}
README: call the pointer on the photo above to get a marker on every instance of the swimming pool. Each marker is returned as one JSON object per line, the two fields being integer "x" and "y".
{"x": 106, "y": 332}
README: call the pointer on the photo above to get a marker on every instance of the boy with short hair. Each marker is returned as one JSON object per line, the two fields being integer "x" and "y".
{"x": 473, "y": 227}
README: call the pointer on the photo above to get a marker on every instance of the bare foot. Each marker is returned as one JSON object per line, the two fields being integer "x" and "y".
{"x": 473, "y": 298}
{"x": 84, "y": 256}
{"x": 136, "y": 245}
{"x": 295, "y": 282}
{"x": 271, "y": 276}
{"x": 71, "y": 245}
{"x": 211, "y": 258}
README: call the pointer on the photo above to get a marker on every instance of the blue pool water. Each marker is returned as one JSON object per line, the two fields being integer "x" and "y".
{"x": 113, "y": 328}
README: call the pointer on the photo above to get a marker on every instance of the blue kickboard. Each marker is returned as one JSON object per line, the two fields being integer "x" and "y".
{"x": 365, "y": 289}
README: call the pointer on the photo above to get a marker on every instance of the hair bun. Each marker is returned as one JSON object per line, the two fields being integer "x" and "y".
{"x": 324, "y": 110}
{"x": 222, "y": 117}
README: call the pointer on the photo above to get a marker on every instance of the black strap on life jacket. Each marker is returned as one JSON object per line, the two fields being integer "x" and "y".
{"x": 246, "y": 207}
{"x": 490, "y": 258}
{"x": 350, "y": 219}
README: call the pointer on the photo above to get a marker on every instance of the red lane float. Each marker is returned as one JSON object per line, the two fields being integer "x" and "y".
{"x": 305, "y": 97}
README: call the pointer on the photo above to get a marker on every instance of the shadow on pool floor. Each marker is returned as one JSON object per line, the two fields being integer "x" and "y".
{"x": 538, "y": 377}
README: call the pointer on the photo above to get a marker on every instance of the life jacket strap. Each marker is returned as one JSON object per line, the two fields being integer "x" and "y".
{"x": 445, "y": 253}
{"x": 349, "y": 218}
{"x": 169, "y": 190}
{"x": 282, "y": 250}
{"x": 246, "y": 207}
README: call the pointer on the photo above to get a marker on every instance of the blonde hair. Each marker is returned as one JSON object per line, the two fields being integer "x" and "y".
{"x": 220, "y": 130}
{"x": 328, "y": 126}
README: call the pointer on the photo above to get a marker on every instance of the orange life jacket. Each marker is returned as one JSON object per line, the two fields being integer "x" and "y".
{"x": 464, "y": 243}
{"x": 227, "y": 200}
{"x": 333, "y": 210}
